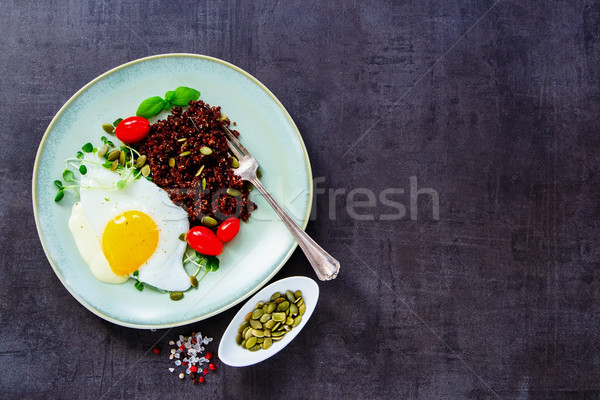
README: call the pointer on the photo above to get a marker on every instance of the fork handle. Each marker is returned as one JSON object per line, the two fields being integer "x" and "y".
{"x": 322, "y": 262}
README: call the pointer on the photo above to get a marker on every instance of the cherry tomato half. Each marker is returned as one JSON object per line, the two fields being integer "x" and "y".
{"x": 132, "y": 129}
{"x": 204, "y": 241}
{"x": 228, "y": 229}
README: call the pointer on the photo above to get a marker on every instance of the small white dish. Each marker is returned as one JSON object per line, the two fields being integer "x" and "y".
{"x": 234, "y": 355}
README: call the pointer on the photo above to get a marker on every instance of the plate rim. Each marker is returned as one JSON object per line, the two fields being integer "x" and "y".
{"x": 225, "y": 307}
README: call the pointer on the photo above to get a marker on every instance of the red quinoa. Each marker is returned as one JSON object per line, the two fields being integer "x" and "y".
{"x": 166, "y": 141}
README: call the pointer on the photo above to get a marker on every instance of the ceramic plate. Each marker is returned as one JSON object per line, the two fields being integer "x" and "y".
{"x": 263, "y": 244}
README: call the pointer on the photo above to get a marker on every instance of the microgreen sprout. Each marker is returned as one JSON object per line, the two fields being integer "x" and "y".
{"x": 202, "y": 262}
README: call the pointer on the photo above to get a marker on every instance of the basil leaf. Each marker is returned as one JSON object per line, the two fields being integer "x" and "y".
{"x": 68, "y": 175}
{"x": 167, "y": 105}
{"x": 170, "y": 95}
{"x": 183, "y": 95}
{"x": 150, "y": 107}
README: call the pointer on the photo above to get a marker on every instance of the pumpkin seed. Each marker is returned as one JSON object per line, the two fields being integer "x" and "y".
{"x": 108, "y": 128}
{"x": 207, "y": 151}
{"x": 114, "y": 165}
{"x": 258, "y": 333}
{"x": 277, "y": 334}
{"x": 271, "y": 307}
{"x": 284, "y": 305}
{"x": 258, "y": 305}
{"x": 302, "y": 309}
{"x": 247, "y": 318}
{"x": 277, "y": 325}
{"x": 182, "y": 140}
{"x": 209, "y": 222}
{"x": 233, "y": 161}
{"x": 122, "y": 158}
{"x": 298, "y": 293}
{"x": 269, "y": 324}
{"x": 243, "y": 344}
{"x": 278, "y": 317}
{"x": 243, "y": 326}
{"x": 185, "y": 153}
{"x": 113, "y": 155}
{"x": 289, "y": 321}
{"x": 203, "y": 183}
{"x": 171, "y": 162}
{"x": 247, "y": 333}
{"x": 300, "y": 302}
{"x": 193, "y": 281}
{"x": 146, "y": 170}
{"x": 254, "y": 348}
{"x": 234, "y": 192}
{"x": 239, "y": 339}
{"x": 275, "y": 296}
{"x": 265, "y": 318}
{"x": 267, "y": 343}
{"x": 222, "y": 117}
{"x": 200, "y": 171}
{"x": 102, "y": 150}
{"x": 256, "y": 314}
{"x": 290, "y": 296}
{"x": 251, "y": 342}
{"x": 255, "y": 324}
{"x": 293, "y": 309}
{"x": 297, "y": 321}
{"x": 267, "y": 332}
{"x": 141, "y": 160}
{"x": 176, "y": 295}
{"x": 276, "y": 339}
{"x": 279, "y": 300}
{"x": 260, "y": 340}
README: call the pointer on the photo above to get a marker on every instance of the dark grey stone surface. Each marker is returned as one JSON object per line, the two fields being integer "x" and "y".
{"x": 494, "y": 105}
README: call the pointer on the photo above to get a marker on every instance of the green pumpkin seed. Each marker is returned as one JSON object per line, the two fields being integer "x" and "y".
{"x": 248, "y": 333}
{"x": 265, "y": 318}
{"x": 122, "y": 158}
{"x": 279, "y": 300}
{"x": 222, "y": 117}
{"x": 289, "y": 321}
{"x": 200, "y": 171}
{"x": 185, "y": 153}
{"x": 193, "y": 281}
{"x": 276, "y": 339}
{"x": 254, "y": 348}
{"x": 243, "y": 344}
{"x": 207, "y": 151}
{"x": 256, "y": 314}
{"x": 255, "y": 324}
{"x": 267, "y": 343}
{"x": 290, "y": 296}
{"x": 300, "y": 302}
{"x": 233, "y": 161}
{"x": 293, "y": 310}
{"x": 276, "y": 326}
{"x": 113, "y": 155}
{"x": 284, "y": 305}
{"x": 182, "y": 140}
{"x": 251, "y": 342}
{"x": 114, "y": 165}
{"x": 258, "y": 333}
{"x": 302, "y": 309}
{"x": 141, "y": 160}
{"x": 260, "y": 340}
{"x": 171, "y": 162}
{"x": 102, "y": 150}
{"x": 258, "y": 305}
{"x": 234, "y": 192}
{"x": 203, "y": 183}
{"x": 146, "y": 170}
{"x": 298, "y": 293}
{"x": 108, "y": 128}
{"x": 209, "y": 222}
{"x": 271, "y": 307}
{"x": 277, "y": 334}
{"x": 267, "y": 332}
{"x": 239, "y": 339}
{"x": 275, "y": 296}
{"x": 297, "y": 321}
{"x": 248, "y": 316}
{"x": 243, "y": 326}
{"x": 269, "y": 324}
{"x": 278, "y": 317}
{"x": 176, "y": 295}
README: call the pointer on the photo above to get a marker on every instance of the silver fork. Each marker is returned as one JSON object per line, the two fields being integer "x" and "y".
{"x": 324, "y": 264}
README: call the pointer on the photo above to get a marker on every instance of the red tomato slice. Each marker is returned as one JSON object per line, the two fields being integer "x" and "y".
{"x": 204, "y": 241}
{"x": 132, "y": 129}
{"x": 228, "y": 229}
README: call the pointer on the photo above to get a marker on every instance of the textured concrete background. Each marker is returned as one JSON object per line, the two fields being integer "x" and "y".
{"x": 494, "y": 105}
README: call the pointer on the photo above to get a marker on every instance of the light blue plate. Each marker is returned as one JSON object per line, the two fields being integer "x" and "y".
{"x": 263, "y": 244}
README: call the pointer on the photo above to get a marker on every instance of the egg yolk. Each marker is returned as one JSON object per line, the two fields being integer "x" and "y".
{"x": 128, "y": 241}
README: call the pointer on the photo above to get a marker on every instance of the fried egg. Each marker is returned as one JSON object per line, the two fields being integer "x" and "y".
{"x": 136, "y": 228}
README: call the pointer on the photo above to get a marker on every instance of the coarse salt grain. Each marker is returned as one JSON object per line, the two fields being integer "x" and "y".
{"x": 171, "y": 369}
{"x": 177, "y": 362}
{"x": 171, "y": 343}
{"x": 177, "y": 355}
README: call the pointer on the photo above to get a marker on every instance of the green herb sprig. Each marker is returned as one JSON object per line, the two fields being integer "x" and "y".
{"x": 179, "y": 97}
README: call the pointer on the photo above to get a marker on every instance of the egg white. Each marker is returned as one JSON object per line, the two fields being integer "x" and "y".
{"x": 101, "y": 201}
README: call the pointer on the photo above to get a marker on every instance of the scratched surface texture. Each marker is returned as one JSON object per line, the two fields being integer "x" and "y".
{"x": 490, "y": 109}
